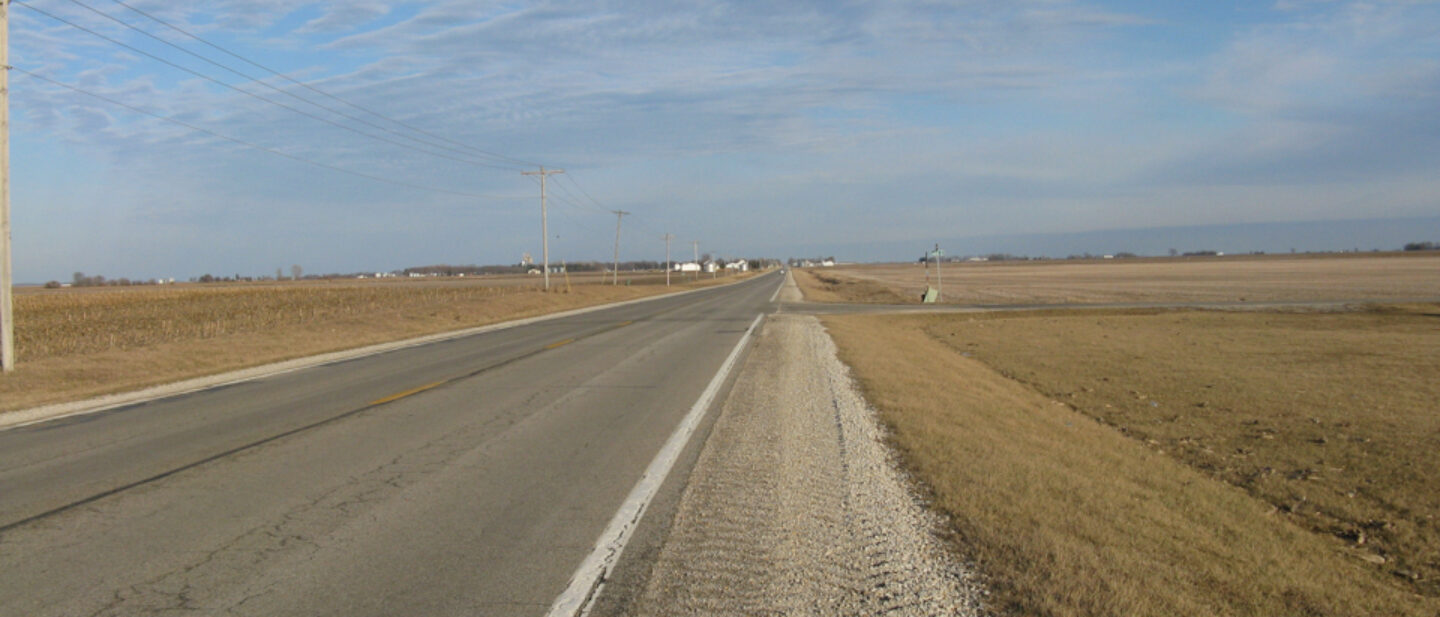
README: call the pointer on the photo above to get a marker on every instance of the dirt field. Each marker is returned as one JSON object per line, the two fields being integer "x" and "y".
{"x": 82, "y": 342}
{"x": 1225, "y": 279}
{"x": 1173, "y": 463}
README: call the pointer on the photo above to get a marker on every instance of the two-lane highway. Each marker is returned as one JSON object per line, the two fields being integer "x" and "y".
{"x": 466, "y": 477}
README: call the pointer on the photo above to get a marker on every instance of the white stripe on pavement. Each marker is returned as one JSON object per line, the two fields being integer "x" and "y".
{"x": 587, "y": 581}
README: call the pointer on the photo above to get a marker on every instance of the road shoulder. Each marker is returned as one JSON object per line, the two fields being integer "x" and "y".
{"x": 795, "y": 505}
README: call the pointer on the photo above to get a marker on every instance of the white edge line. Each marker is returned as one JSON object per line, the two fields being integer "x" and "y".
{"x": 35, "y": 415}
{"x": 775, "y": 295}
{"x": 589, "y": 577}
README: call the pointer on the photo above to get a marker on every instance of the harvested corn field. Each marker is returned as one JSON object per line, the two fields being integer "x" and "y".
{"x": 1393, "y": 276}
{"x": 81, "y": 342}
{"x": 1173, "y": 462}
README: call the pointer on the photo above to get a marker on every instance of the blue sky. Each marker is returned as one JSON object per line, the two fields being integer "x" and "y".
{"x": 756, "y": 128}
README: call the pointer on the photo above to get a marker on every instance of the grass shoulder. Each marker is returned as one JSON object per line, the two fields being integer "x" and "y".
{"x": 1172, "y": 463}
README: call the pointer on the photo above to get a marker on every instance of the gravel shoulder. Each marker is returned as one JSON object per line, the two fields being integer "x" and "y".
{"x": 796, "y": 507}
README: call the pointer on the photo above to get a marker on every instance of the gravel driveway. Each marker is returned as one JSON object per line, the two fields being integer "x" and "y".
{"x": 795, "y": 506}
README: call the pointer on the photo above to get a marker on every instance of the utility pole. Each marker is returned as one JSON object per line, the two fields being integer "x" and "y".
{"x": 619, "y": 214}
{"x": 7, "y": 308}
{"x": 696, "y": 245}
{"x": 544, "y": 223}
{"x": 939, "y": 283}
{"x": 668, "y": 237}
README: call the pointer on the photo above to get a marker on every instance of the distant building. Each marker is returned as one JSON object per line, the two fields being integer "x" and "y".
{"x": 687, "y": 266}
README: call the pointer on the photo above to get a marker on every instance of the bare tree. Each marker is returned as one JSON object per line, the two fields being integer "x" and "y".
{"x": 296, "y": 271}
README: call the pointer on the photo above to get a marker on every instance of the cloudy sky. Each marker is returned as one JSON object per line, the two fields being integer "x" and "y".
{"x": 393, "y": 134}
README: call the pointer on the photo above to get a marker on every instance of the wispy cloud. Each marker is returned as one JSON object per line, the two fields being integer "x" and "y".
{"x": 983, "y": 115}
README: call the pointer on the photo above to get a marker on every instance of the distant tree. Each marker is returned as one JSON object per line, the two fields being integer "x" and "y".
{"x": 1421, "y": 246}
{"x": 279, "y": 274}
{"x": 296, "y": 271}
{"x": 207, "y": 278}
{"x": 79, "y": 279}
{"x": 52, "y": 285}
{"x": 1174, "y": 252}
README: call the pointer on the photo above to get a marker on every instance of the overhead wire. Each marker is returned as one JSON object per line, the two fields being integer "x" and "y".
{"x": 576, "y": 200}
{"x": 311, "y": 88}
{"x": 635, "y": 217}
{"x": 639, "y": 219}
{"x": 260, "y": 82}
{"x": 249, "y": 93}
{"x": 586, "y": 193}
{"x": 255, "y": 146}
{"x": 566, "y": 197}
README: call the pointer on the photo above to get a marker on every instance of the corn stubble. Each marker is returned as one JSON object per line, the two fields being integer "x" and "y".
{"x": 1170, "y": 462}
{"x": 77, "y": 343}
{"x": 1174, "y": 463}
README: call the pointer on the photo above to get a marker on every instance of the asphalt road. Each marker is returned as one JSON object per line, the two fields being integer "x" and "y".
{"x": 466, "y": 477}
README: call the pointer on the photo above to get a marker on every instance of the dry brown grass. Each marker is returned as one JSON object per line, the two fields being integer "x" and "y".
{"x": 1241, "y": 464}
{"x": 824, "y": 285}
{"x": 78, "y": 343}
{"x": 1228, "y": 279}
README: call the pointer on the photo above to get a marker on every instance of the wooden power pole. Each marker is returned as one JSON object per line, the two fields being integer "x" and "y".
{"x": 695, "y": 245}
{"x": 7, "y": 307}
{"x": 544, "y": 223}
{"x": 615, "y": 278}
{"x": 668, "y": 238}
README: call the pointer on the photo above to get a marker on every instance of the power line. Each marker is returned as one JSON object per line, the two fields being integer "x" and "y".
{"x": 586, "y": 193}
{"x": 321, "y": 92}
{"x": 576, "y": 201}
{"x": 641, "y": 221}
{"x": 254, "y": 145}
{"x": 258, "y": 81}
{"x": 252, "y": 94}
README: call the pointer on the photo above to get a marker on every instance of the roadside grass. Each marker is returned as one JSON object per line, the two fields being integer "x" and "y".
{"x": 78, "y": 343}
{"x": 821, "y": 286}
{"x": 1172, "y": 463}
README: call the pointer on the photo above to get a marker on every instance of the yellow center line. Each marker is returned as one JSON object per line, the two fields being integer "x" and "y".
{"x": 560, "y": 343}
{"x": 399, "y": 395}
